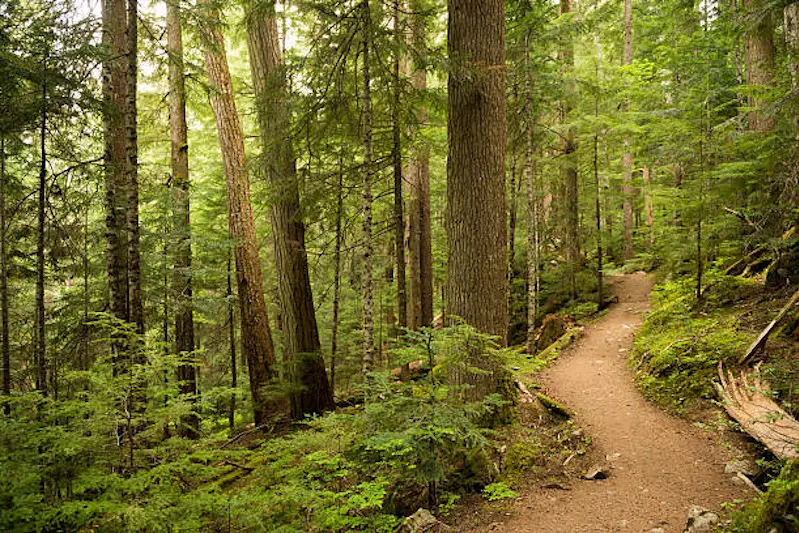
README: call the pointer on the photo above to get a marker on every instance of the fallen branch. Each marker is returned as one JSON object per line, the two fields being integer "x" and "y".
{"x": 760, "y": 342}
{"x": 749, "y": 404}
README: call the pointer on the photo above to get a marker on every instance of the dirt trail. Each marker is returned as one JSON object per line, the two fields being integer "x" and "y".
{"x": 660, "y": 465}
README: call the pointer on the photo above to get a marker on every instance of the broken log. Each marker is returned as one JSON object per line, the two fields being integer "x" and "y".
{"x": 746, "y": 399}
{"x": 760, "y": 342}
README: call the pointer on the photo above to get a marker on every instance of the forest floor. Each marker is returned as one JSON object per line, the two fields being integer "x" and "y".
{"x": 658, "y": 465}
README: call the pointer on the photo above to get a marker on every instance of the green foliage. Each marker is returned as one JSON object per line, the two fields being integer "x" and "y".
{"x": 499, "y": 491}
{"x": 774, "y": 510}
{"x": 677, "y": 350}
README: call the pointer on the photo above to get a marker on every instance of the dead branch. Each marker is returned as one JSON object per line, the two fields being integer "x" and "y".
{"x": 760, "y": 342}
{"x": 746, "y": 399}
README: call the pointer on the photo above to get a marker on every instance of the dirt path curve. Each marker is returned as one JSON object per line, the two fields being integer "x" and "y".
{"x": 660, "y": 465}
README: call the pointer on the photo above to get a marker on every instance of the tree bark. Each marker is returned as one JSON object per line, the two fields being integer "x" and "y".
{"x": 759, "y": 53}
{"x": 135, "y": 301}
{"x": 181, "y": 214}
{"x": 531, "y": 182}
{"x": 627, "y": 156}
{"x": 396, "y": 156}
{"x": 337, "y": 275}
{"x": 41, "y": 347}
{"x": 367, "y": 284}
{"x": 5, "y": 348}
{"x": 476, "y": 127}
{"x": 420, "y": 255}
{"x": 571, "y": 232}
{"x": 231, "y": 316}
{"x": 310, "y": 389}
{"x": 115, "y": 88}
{"x": 255, "y": 332}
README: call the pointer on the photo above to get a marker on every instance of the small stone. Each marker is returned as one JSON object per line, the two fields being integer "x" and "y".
{"x": 657, "y": 530}
{"x": 423, "y": 521}
{"x": 743, "y": 466}
{"x": 597, "y": 472}
{"x": 700, "y": 520}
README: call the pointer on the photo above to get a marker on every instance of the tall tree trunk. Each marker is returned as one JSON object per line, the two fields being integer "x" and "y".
{"x": 181, "y": 213}
{"x": 396, "y": 156}
{"x": 337, "y": 274}
{"x": 759, "y": 52}
{"x": 135, "y": 300}
{"x": 531, "y": 179}
{"x": 255, "y": 332}
{"x": 569, "y": 169}
{"x": 420, "y": 254}
{"x": 627, "y": 156}
{"x": 41, "y": 353}
{"x": 512, "y": 211}
{"x": 367, "y": 284}
{"x": 231, "y": 319}
{"x": 5, "y": 348}
{"x": 302, "y": 349}
{"x": 115, "y": 88}
{"x": 476, "y": 178}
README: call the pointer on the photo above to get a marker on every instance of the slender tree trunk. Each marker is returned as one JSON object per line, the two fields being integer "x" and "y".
{"x": 759, "y": 53}
{"x": 649, "y": 208}
{"x": 231, "y": 319}
{"x": 337, "y": 274}
{"x": 41, "y": 353}
{"x": 367, "y": 285}
{"x": 531, "y": 181}
{"x": 255, "y": 332}
{"x": 476, "y": 179}
{"x": 6, "y": 347}
{"x": 512, "y": 210}
{"x": 420, "y": 254}
{"x": 396, "y": 156}
{"x": 135, "y": 300}
{"x": 181, "y": 214}
{"x": 115, "y": 88}
{"x": 302, "y": 349}
{"x": 627, "y": 156}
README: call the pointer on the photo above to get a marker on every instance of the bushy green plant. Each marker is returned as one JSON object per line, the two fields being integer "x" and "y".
{"x": 499, "y": 491}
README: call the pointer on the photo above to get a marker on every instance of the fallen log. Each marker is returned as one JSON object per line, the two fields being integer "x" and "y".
{"x": 746, "y": 399}
{"x": 760, "y": 342}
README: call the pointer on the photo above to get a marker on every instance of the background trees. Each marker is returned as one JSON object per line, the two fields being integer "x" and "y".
{"x": 502, "y": 157}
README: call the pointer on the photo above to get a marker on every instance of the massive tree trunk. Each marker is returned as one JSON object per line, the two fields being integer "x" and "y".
{"x": 476, "y": 178}
{"x": 759, "y": 45}
{"x": 420, "y": 254}
{"x": 627, "y": 156}
{"x": 255, "y": 333}
{"x": 367, "y": 283}
{"x": 115, "y": 89}
{"x": 182, "y": 276}
{"x": 396, "y": 156}
{"x": 311, "y": 391}
{"x": 5, "y": 348}
{"x": 571, "y": 232}
{"x": 41, "y": 347}
{"x": 135, "y": 301}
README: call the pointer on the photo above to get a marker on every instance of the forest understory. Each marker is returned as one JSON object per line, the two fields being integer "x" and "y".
{"x": 399, "y": 266}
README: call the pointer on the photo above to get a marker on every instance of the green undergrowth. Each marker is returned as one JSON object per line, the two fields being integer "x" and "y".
{"x": 677, "y": 349}
{"x": 411, "y": 445}
{"x": 774, "y": 510}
